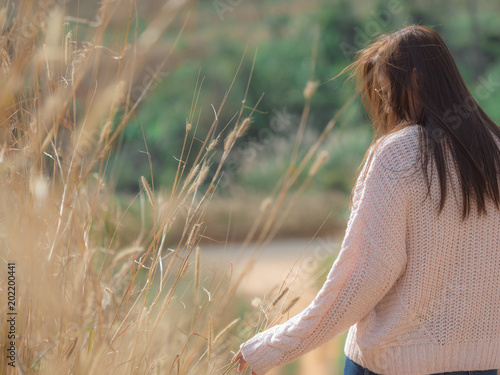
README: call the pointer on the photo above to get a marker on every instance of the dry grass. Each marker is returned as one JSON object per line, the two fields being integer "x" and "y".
{"x": 85, "y": 303}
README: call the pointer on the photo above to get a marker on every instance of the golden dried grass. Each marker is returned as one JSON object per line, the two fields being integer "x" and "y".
{"x": 86, "y": 304}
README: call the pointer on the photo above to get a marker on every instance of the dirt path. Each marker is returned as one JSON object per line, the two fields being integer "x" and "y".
{"x": 275, "y": 262}
{"x": 280, "y": 259}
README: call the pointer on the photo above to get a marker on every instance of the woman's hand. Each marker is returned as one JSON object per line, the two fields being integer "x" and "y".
{"x": 239, "y": 357}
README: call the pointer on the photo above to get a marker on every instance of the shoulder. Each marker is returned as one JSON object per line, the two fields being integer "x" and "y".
{"x": 403, "y": 141}
{"x": 398, "y": 153}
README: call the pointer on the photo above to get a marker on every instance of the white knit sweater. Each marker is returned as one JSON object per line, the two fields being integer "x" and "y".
{"x": 421, "y": 293}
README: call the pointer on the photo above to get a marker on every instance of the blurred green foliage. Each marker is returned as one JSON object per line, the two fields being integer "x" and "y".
{"x": 283, "y": 35}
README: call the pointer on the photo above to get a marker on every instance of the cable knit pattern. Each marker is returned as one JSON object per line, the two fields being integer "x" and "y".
{"x": 421, "y": 293}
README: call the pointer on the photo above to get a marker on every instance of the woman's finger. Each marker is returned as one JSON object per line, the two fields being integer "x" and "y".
{"x": 236, "y": 357}
{"x": 242, "y": 364}
{"x": 239, "y": 357}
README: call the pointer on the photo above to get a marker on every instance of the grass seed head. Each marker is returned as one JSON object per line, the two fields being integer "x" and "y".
{"x": 280, "y": 296}
{"x": 318, "y": 163}
{"x": 68, "y": 48}
{"x": 212, "y": 144}
{"x": 193, "y": 236}
{"x": 256, "y": 302}
{"x": 310, "y": 89}
{"x": 290, "y": 305}
{"x": 6, "y": 62}
{"x": 197, "y": 268}
{"x": 106, "y": 129}
{"x": 194, "y": 170}
{"x": 228, "y": 142}
{"x": 244, "y": 127}
{"x": 201, "y": 177}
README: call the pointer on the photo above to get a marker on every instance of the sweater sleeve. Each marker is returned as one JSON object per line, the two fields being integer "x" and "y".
{"x": 372, "y": 257}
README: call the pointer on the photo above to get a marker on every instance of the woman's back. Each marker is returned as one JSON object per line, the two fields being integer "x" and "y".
{"x": 443, "y": 312}
{"x": 417, "y": 276}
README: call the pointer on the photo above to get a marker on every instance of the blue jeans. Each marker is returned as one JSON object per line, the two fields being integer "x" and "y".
{"x": 352, "y": 368}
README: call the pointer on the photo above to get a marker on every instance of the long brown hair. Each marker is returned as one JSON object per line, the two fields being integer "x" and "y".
{"x": 426, "y": 88}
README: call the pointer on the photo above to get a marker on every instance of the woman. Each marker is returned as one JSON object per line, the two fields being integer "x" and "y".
{"x": 417, "y": 278}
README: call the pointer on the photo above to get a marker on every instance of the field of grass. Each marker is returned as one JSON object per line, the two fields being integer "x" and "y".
{"x": 106, "y": 284}
{"x": 125, "y": 169}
